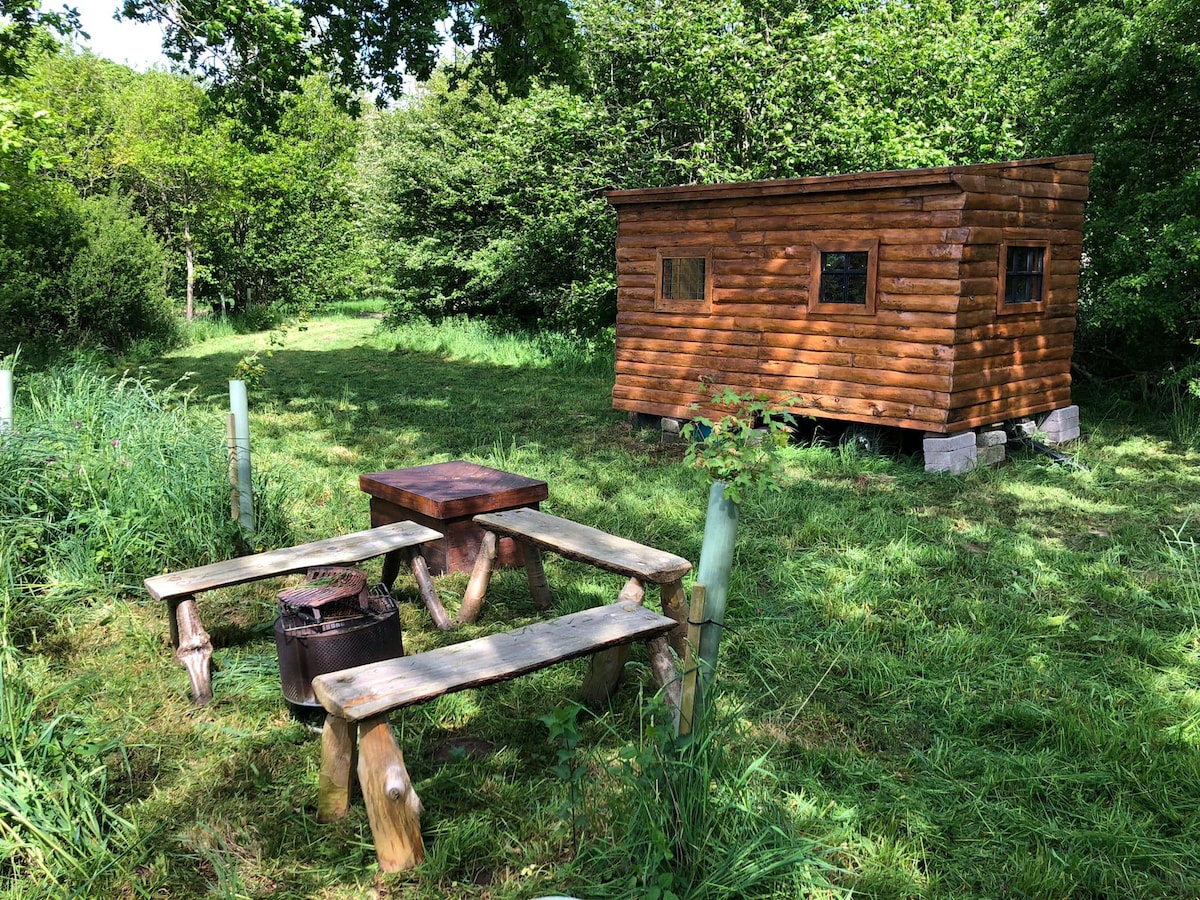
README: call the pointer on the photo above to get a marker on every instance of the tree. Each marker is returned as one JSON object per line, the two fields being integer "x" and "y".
{"x": 253, "y": 52}
{"x": 172, "y": 159}
{"x": 1124, "y": 83}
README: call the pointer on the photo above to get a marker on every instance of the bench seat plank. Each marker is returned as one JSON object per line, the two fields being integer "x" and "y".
{"x": 349, "y": 548}
{"x": 374, "y": 689}
{"x": 586, "y": 544}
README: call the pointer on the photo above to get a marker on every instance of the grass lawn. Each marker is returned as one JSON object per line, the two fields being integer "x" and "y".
{"x": 978, "y": 686}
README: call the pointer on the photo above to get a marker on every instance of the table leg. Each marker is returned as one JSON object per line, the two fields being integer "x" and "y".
{"x": 428, "y": 592}
{"x": 193, "y": 647}
{"x": 391, "y": 567}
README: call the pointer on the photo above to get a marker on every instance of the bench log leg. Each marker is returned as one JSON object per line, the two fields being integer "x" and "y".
{"x": 338, "y": 750}
{"x": 666, "y": 672}
{"x": 193, "y": 647}
{"x": 393, "y": 808}
{"x": 539, "y": 588}
{"x": 480, "y": 576}
{"x": 675, "y": 606}
{"x": 607, "y": 666}
{"x": 428, "y": 592}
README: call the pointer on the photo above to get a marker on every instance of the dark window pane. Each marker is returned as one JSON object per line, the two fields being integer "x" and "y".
{"x": 844, "y": 277}
{"x": 1023, "y": 278}
{"x": 683, "y": 278}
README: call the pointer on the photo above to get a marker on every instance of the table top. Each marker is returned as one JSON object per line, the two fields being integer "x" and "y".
{"x": 452, "y": 489}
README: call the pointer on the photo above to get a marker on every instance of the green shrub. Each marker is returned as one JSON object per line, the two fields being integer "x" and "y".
{"x": 114, "y": 284}
{"x": 78, "y": 273}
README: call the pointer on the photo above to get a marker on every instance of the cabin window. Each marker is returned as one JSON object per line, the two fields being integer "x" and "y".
{"x": 684, "y": 281}
{"x": 1022, "y": 286}
{"x": 844, "y": 277}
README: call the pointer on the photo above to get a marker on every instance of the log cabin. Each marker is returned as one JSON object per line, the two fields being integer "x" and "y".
{"x": 937, "y": 299}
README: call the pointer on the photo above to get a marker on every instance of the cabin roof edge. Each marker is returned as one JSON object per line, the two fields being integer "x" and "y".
{"x": 890, "y": 178}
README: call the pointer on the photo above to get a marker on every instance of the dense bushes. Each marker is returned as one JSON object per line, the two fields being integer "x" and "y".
{"x": 492, "y": 209}
{"x": 1124, "y": 83}
{"x": 497, "y": 209}
{"x": 77, "y": 272}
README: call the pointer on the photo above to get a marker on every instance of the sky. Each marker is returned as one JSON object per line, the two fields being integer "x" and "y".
{"x": 135, "y": 44}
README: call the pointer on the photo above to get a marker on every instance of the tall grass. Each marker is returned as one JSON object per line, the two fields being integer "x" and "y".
{"x": 96, "y": 477}
{"x": 477, "y": 340}
{"x": 693, "y": 817}
{"x": 58, "y": 833}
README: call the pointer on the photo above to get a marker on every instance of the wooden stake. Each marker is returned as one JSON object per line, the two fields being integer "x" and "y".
{"x": 338, "y": 752}
{"x": 393, "y": 808}
{"x": 690, "y": 671}
{"x": 480, "y": 576}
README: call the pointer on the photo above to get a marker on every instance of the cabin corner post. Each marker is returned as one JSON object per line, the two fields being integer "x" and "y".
{"x": 339, "y": 751}
{"x": 393, "y": 807}
{"x": 193, "y": 647}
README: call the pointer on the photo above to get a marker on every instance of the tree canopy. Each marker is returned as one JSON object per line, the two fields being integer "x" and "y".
{"x": 254, "y": 51}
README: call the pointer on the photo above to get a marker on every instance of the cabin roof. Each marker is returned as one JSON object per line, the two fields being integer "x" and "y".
{"x": 860, "y": 181}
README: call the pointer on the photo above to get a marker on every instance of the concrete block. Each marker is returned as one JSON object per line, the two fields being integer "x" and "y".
{"x": 1061, "y": 426}
{"x": 993, "y": 455}
{"x": 672, "y": 426}
{"x": 956, "y": 462}
{"x": 991, "y": 437}
{"x": 940, "y": 443}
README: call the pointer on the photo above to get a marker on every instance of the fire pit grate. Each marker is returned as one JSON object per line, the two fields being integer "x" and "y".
{"x": 338, "y": 633}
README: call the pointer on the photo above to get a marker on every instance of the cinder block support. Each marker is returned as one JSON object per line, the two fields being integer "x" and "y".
{"x": 956, "y": 453}
{"x": 990, "y": 446}
{"x": 671, "y": 429}
{"x": 1061, "y": 426}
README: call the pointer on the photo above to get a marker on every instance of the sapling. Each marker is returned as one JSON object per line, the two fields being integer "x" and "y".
{"x": 738, "y": 455}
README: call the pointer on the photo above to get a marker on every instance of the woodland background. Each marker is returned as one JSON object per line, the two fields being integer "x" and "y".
{"x": 254, "y": 192}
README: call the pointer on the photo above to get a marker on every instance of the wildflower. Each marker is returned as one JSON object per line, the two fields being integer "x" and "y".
{"x": 78, "y": 424}
{"x": 116, "y": 442}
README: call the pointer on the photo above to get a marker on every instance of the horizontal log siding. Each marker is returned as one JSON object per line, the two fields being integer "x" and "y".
{"x": 1018, "y": 365}
{"x": 934, "y": 356}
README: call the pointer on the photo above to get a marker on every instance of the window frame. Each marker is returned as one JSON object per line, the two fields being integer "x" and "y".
{"x": 675, "y": 305}
{"x": 1009, "y": 309}
{"x": 871, "y": 246}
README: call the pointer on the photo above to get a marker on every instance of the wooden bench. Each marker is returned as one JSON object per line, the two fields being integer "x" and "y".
{"x": 536, "y": 531}
{"x": 193, "y": 647}
{"x": 358, "y": 701}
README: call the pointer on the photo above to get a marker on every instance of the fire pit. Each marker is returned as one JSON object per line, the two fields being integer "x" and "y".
{"x": 332, "y": 622}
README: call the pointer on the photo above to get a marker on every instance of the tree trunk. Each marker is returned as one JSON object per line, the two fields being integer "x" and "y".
{"x": 189, "y": 254}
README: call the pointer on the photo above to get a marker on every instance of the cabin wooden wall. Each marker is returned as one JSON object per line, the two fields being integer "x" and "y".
{"x": 933, "y": 356}
{"x": 1008, "y": 366}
